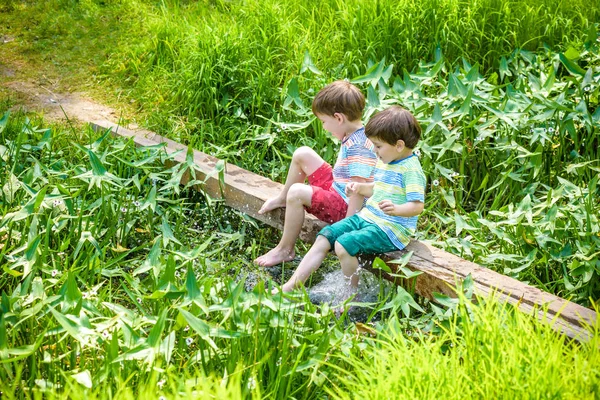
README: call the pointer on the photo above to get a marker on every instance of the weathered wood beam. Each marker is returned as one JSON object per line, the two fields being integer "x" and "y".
{"x": 441, "y": 271}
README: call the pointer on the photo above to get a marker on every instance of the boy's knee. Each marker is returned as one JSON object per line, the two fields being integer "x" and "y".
{"x": 299, "y": 191}
{"x": 322, "y": 243}
{"x": 302, "y": 153}
{"x": 340, "y": 250}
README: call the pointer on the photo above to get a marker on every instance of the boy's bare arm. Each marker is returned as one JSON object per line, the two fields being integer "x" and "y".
{"x": 362, "y": 188}
{"x": 355, "y": 200}
{"x": 409, "y": 209}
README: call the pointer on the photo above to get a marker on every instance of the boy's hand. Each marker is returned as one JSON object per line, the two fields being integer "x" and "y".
{"x": 387, "y": 207}
{"x": 352, "y": 188}
{"x": 409, "y": 209}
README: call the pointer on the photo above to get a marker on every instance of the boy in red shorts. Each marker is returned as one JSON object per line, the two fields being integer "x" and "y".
{"x": 339, "y": 107}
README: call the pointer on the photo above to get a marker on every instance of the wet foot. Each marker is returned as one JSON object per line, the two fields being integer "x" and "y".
{"x": 275, "y": 256}
{"x": 272, "y": 204}
{"x": 281, "y": 289}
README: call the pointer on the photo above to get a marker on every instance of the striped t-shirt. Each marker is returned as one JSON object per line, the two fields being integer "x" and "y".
{"x": 400, "y": 181}
{"x": 356, "y": 158}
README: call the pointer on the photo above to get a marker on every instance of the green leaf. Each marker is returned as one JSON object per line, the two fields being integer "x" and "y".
{"x": 504, "y": 70}
{"x": 293, "y": 94}
{"x": 157, "y": 329}
{"x": 461, "y": 224}
{"x": 404, "y": 301}
{"x": 167, "y": 233}
{"x": 83, "y": 378}
{"x": 4, "y": 121}
{"x": 378, "y": 263}
{"x": 153, "y": 259}
{"x": 372, "y": 75}
{"x": 448, "y": 195}
{"x": 201, "y": 327}
{"x": 308, "y": 65}
{"x": 97, "y": 166}
{"x": 372, "y": 98}
{"x": 572, "y": 67}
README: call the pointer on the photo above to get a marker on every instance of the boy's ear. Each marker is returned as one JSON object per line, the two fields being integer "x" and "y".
{"x": 400, "y": 145}
{"x": 339, "y": 117}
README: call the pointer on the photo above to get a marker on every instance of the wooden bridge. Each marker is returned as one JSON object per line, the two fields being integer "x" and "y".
{"x": 441, "y": 271}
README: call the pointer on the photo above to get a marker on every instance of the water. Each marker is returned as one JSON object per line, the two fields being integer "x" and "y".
{"x": 335, "y": 290}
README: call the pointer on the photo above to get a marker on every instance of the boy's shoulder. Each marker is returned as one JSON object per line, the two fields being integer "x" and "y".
{"x": 410, "y": 166}
{"x": 358, "y": 138}
{"x": 410, "y": 163}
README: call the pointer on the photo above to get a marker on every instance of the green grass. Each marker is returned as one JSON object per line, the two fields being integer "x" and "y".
{"x": 108, "y": 290}
{"x": 510, "y": 143}
{"x": 496, "y": 353}
{"x": 115, "y": 285}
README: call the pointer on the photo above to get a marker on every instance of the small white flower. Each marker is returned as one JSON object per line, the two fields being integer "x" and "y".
{"x": 417, "y": 152}
{"x": 284, "y": 126}
{"x": 139, "y": 300}
{"x": 162, "y": 398}
{"x": 161, "y": 383}
{"x": 550, "y": 130}
{"x": 189, "y": 341}
{"x": 587, "y": 88}
{"x": 123, "y": 209}
{"x": 278, "y": 363}
{"x": 177, "y": 274}
{"x": 105, "y": 334}
{"x": 251, "y": 383}
{"x": 435, "y": 183}
{"x": 85, "y": 295}
{"x": 187, "y": 328}
{"x": 136, "y": 203}
{"x": 54, "y": 272}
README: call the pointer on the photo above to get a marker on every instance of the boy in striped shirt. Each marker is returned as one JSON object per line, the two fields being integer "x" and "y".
{"x": 339, "y": 107}
{"x": 396, "y": 198}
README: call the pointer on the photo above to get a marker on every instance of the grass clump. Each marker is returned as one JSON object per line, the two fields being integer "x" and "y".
{"x": 485, "y": 351}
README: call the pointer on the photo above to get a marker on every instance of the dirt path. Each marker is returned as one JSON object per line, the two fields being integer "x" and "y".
{"x": 42, "y": 91}
{"x": 34, "y": 96}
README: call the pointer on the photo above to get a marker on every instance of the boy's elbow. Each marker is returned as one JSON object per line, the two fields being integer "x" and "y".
{"x": 419, "y": 206}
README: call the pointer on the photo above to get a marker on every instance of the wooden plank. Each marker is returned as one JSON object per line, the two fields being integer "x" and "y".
{"x": 441, "y": 271}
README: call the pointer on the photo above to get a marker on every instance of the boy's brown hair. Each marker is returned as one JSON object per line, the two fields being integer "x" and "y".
{"x": 393, "y": 124}
{"x": 340, "y": 97}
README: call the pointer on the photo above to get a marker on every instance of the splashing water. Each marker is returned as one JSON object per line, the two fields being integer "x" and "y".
{"x": 335, "y": 289}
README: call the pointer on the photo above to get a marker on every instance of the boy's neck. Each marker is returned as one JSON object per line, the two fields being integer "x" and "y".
{"x": 351, "y": 126}
{"x": 406, "y": 152}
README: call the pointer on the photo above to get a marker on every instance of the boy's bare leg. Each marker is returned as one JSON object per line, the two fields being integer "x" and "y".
{"x": 349, "y": 265}
{"x": 305, "y": 161}
{"x": 311, "y": 261}
{"x": 299, "y": 196}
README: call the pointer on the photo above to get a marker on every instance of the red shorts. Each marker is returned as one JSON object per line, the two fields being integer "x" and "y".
{"x": 325, "y": 204}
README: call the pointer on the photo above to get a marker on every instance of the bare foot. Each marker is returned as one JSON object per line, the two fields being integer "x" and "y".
{"x": 275, "y": 256}
{"x": 283, "y": 289}
{"x": 272, "y": 204}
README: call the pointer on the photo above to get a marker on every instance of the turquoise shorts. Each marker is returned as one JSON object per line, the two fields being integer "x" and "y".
{"x": 358, "y": 236}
